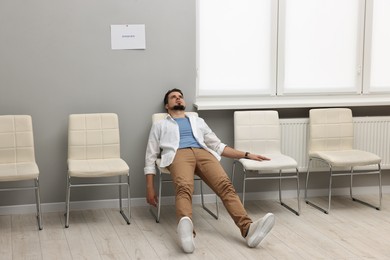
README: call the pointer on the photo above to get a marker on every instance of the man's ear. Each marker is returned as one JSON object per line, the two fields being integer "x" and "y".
{"x": 166, "y": 106}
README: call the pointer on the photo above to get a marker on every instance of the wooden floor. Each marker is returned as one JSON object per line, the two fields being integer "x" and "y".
{"x": 350, "y": 231}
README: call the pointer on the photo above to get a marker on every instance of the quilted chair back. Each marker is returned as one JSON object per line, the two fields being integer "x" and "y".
{"x": 16, "y": 139}
{"x": 93, "y": 136}
{"x": 330, "y": 129}
{"x": 257, "y": 131}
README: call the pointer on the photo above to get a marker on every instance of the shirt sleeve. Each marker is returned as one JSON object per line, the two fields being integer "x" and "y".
{"x": 210, "y": 138}
{"x": 152, "y": 150}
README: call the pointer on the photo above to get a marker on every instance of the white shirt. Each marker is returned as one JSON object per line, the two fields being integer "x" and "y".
{"x": 165, "y": 137}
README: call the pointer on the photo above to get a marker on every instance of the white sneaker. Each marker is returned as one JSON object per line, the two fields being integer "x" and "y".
{"x": 259, "y": 229}
{"x": 186, "y": 236}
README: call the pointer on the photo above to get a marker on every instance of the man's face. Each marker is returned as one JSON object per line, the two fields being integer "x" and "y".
{"x": 175, "y": 101}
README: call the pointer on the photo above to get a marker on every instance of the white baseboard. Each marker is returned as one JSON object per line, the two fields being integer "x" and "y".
{"x": 170, "y": 200}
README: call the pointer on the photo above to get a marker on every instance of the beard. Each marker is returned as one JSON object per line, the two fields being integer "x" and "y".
{"x": 179, "y": 107}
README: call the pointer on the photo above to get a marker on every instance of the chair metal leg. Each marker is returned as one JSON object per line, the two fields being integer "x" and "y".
{"x": 296, "y": 212}
{"x": 280, "y": 177}
{"x": 380, "y": 192}
{"x": 126, "y": 218}
{"x": 151, "y": 209}
{"x": 159, "y": 200}
{"x": 243, "y": 189}
{"x": 68, "y": 184}
{"x": 204, "y": 206}
{"x": 280, "y": 187}
{"x": 128, "y": 196}
{"x": 329, "y": 189}
{"x": 298, "y": 192}
{"x": 120, "y": 192}
{"x": 351, "y": 173}
{"x": 351, "y": 184}
{"x": 380, "y": 186}
{"x": 38, "y": 202}
{"x": 307, "y": 179}
{"x": 233, "y": 171}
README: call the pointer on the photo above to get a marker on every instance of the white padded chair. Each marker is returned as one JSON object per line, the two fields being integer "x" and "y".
{"x": 94, "y": 152}
{"x": 164, "y": 177}
{"x": 331, "y": 140}
{"x": 17, "y": 156}
{"x": 259, "y": 132}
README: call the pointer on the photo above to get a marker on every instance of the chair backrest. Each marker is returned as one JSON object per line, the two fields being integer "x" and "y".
{"x": 330, "y": 129}
{"x": 16, "y": 139}
{"x": 257, "y": 131}
{"x": 160, "y": 116}
{"x": 93, "y": 136}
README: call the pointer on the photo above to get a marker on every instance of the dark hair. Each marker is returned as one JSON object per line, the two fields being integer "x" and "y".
{"x": 169, "y": 92}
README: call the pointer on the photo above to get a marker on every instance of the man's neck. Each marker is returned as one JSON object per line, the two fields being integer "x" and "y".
{"x": 177, "y": 113}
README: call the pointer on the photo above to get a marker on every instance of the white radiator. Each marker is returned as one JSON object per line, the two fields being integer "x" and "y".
{"x": 372, "y": 134}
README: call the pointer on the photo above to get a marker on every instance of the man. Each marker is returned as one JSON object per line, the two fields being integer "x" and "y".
{"x": 187, "y": 146}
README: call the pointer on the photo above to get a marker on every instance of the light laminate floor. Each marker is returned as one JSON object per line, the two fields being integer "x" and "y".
{"x": 350, "y": 231}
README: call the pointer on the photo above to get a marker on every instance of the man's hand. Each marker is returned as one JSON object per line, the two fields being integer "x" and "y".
{"x": 151, "y": 197}
{"x": 236, "y": 154}
{"x": 257, "y": 157}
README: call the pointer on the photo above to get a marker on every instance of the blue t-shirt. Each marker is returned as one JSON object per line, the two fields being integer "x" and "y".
{"x": 187, "y": 138}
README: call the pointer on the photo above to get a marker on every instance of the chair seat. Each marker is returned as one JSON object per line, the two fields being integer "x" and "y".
{"x": 18, "y": 171}
{"x": 347, "y": 157}
{"x": 278, "y": 161}
{"x": 97, "y": 168}
{"x": 162, "y": 169}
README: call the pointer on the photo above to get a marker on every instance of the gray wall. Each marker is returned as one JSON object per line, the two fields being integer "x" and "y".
{"x": 56, "y": 59}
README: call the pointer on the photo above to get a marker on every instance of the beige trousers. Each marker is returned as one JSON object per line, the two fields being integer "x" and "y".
{"x": 190, "y": 161}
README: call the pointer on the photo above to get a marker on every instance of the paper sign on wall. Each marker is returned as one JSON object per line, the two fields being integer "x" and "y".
{"x": 128, "y": 37}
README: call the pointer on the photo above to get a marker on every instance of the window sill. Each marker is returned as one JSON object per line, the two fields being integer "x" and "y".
{"x": 245, "y": 102}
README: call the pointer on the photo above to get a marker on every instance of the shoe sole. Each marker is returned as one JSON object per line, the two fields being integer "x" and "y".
{"x": 262, "y": 230}
{"x": 186, "y": 237}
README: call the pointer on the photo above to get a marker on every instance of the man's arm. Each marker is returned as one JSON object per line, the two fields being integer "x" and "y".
{"x": 236, "y": 154}
{"x": 152, "y": 151}
{"x": 151, "y": 196}
{"x": 214, "y": 143}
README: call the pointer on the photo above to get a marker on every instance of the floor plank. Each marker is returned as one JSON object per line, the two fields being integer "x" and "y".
{"x": 52, "y": 238}
{"x": 5, "y": 237}
{"x": 79, "y": 237}
{"x": 132, "y": 237}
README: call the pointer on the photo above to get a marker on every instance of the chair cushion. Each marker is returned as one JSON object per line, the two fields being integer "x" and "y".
{"x": 278, "y": 161}
{"x": 18, "y": 171}
{"x": 347, "y": 157}
{"x": 97, "y": 168}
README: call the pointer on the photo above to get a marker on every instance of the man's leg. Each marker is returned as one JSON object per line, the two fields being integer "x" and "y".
{"x": 182, "y": 173}
{"x": 209, "y": 169}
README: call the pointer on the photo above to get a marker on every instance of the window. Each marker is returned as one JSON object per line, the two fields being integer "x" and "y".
{"x": 378, "y": 69}
{"x": 320, "y": 47}
{"x": 292, "y": 53}
{"x": 236, "y": 41}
